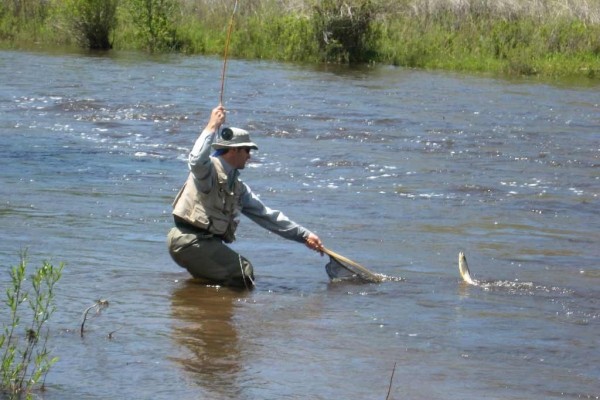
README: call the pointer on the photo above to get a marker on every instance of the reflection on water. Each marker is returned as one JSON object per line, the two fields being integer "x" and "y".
{"x": 203, "y": 325}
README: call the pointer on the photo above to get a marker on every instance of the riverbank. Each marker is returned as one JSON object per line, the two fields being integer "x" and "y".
{"x": 547, "y": 38}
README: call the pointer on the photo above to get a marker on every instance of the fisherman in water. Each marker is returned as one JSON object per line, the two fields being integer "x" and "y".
{"x": 208, "y": 206}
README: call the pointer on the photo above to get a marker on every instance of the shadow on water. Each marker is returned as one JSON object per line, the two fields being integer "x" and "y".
{"x": 206, "y": 332}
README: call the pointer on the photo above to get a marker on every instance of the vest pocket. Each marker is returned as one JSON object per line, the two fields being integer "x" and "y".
{"x": 200, "y": 218}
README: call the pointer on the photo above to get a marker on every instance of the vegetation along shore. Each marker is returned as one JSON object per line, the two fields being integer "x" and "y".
{"x": 550, "y": 38}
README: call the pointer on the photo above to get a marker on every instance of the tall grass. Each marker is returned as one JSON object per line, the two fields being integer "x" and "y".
{"x": 527, "y": 37}
{"x": 532, "y": 37}
{"x": 23, "y": 21}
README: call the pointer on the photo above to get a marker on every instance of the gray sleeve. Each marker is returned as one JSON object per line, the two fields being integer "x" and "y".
{"x": 199, "y": 160}
{"x": 272, "y": 220}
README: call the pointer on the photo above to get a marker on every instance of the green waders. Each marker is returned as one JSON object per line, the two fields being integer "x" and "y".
{"x": 206, "y": 257}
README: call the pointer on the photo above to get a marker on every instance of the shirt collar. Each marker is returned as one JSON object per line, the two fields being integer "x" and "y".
{"x": 232, "y": 173}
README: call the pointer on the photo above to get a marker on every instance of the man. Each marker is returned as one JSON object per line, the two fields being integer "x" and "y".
{"x": 207, "y": 208}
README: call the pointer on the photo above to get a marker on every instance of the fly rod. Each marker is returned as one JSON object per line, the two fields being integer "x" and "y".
{"x": 226, "y": 51}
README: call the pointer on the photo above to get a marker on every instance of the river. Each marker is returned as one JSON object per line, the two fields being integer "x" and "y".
{"x": 397, "y": 169}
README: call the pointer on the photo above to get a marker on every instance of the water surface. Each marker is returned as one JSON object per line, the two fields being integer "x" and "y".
{"x": 394, "y": 168}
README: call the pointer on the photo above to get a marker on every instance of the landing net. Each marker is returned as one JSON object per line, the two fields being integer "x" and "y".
{"x": 342, "y": 268}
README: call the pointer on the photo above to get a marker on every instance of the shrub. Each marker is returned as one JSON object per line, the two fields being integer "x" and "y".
{"x": 155, "y": 22}
{"x": 344, "y": 30}
{"x": 25, "y": 357}
{"x": 91, "y": 21}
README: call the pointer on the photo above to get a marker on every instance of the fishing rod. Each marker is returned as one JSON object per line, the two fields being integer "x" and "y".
{"x": 226, "y": 51}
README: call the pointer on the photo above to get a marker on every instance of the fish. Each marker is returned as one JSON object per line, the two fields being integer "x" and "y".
{"x": 513, "y": 286}
{"x": 463, "y": 269}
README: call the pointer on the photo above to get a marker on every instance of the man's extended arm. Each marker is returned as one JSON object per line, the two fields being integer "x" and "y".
{"x": 277, "y": 222}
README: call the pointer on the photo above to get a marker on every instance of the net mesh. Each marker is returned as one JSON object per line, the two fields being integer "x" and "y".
{"x": 336, "y": 270}
{"x": 339, "y": 270}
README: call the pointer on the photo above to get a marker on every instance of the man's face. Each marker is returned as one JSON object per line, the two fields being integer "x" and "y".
{"x": 242, "y": 155}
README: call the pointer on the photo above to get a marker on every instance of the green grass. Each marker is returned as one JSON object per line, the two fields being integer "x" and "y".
{"x": 521, "y": 46}
{"x": 549, "y": 38}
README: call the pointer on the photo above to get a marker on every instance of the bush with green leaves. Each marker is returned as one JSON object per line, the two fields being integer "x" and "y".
{"x": 345, "y": 30}
{"x": 91, "y": 22}
{"x": 155, "y": 23}
{"x": 26, "y": 358}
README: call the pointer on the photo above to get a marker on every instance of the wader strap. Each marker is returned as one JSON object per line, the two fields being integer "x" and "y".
{"x": 184, "y": 225}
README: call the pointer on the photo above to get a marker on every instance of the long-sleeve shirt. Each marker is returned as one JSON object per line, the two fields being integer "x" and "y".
{"x": 200, "y": 165}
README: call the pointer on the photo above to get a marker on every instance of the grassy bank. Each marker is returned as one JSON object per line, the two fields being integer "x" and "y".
{"x": 527, "y": 37}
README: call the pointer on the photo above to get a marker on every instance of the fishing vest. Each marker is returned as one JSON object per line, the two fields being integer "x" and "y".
{"x": 216, "y": 211}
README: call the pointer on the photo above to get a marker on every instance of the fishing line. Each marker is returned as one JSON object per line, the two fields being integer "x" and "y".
{"x": 226, "y": 51}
